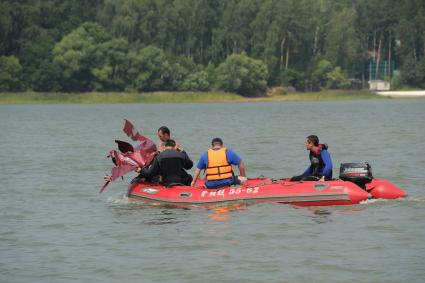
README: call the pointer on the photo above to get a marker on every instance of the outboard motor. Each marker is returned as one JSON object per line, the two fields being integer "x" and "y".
{"x": 358, "y": 173}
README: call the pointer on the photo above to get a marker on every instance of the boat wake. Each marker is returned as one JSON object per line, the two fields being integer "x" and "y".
{"x": 415, "y": 199}
{"x": 120, "y": 198}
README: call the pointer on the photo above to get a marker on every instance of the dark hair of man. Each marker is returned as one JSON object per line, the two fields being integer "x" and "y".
{"x": 164, "y": 130}
{"x": 170, "y": 142}
{"x": 217, "y": 141}
{"x": 313, "y": 139}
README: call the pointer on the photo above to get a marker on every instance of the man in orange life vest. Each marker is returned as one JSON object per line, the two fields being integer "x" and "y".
{"x": 217, "y": 163}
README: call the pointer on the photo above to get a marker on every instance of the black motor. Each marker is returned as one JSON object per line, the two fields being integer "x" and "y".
{"x": 358, "y": 173}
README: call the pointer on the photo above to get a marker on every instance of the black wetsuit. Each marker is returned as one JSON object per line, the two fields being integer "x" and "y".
{"x": 321, "y": 165}
{"x": 170, "y": 164}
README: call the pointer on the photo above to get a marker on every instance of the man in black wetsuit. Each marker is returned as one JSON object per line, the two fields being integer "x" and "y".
{"x": 320, "y": 168}
{"x": 170, "y": 165}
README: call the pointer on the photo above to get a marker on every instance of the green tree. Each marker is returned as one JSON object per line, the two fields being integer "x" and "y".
{"x": 10, "y": 74}
{"x": 110, "y": 72}
{"x": 376, "y": 26}
{"x": 182, "y": 67}
{"x": 411, "y": 42}
{"x": 39, "y": 70}
{"x": 75, "y": 54}
{"x": 30, "y": 28}
{"x": 318, "y": 77}
{"x": 190, "y": 31}
{"x": 7, "y": 36}
{"x": 242, "y": 74}
{"x": 325, "y": 75}
{"x": 85, "y": 45}
{"x": 294, "y": 78}
{"x": 413, "y": 72}
{"x": 197, "y": 81}
{"x": 233, "y": 33}
{"x": 149, "y": 70}
{"x": 342, "y": 44}
{"x": 282, "y": 34}
{"x": 336, "y": 79}
{"x": 123, "y": 18}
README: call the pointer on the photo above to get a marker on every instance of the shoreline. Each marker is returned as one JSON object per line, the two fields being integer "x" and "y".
{"x": 176, "y": 97}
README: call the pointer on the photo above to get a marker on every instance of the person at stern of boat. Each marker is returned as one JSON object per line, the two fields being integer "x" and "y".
{"x": 320, "y": 162}
{"x": 217, "y": 163}
{"x": 170, "y": 165}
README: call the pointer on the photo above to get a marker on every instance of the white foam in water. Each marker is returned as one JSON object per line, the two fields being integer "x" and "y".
{"x": 120, "y": 198}
{"x": 369, "y": 201}
{"x": 414, "y": 199}
{"x": 406, "y": 199}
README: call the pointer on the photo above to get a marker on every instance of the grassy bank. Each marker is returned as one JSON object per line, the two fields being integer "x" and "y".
{"x": 171, "y": 97}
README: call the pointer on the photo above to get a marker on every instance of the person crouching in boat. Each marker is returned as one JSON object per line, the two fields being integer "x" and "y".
{"x": 320, "y": 159}
{"x": 164, "y": 134}
{"x": 217, "y": 163}
{"x": 170, "y": 165}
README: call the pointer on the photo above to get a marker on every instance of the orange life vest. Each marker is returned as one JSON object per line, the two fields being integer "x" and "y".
{"x": 218, "y": 166}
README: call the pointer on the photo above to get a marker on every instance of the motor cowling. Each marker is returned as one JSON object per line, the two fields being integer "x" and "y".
{"x": 358, "y": 173}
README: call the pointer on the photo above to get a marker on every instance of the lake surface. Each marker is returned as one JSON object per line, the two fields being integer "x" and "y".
{"x": 55, "y": 227}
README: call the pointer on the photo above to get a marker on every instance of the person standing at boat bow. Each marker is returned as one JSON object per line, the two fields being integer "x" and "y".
{"x": 164, "y": 134}
{"x": 320, "y": 159}
{"x": 217, "y": 163}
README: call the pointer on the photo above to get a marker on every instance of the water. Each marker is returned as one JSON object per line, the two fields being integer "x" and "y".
{"x": 56, "y": 228}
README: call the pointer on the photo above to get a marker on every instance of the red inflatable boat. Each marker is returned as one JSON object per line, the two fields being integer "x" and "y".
{"x": 356, "y": 184}
{"x": 307, "y": 193}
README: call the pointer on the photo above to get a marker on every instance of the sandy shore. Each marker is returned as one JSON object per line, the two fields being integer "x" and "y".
{"x": 401, "y": 94}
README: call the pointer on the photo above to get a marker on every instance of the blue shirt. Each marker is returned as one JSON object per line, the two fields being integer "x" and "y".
{"x": 232, "y": 158}
{"x": 327, "y": 169}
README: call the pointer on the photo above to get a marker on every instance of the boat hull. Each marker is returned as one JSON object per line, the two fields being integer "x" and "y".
{"x": 308, "y": 193}
{"x": 383, "y": 189}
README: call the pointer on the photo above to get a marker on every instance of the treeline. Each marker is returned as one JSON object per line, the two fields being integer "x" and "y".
{"x": 242, "y": 46}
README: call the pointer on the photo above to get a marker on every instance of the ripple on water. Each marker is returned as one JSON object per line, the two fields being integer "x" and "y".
{"x": 55, "y": 227}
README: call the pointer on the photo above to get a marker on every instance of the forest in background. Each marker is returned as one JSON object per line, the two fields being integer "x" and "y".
{"x": 242, "y": 46}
